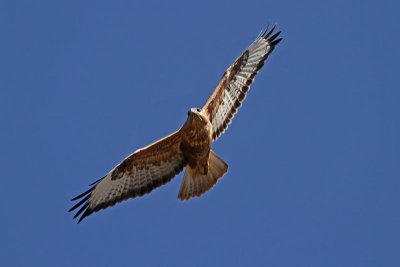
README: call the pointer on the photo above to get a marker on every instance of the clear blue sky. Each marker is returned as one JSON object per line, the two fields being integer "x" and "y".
{"x": 314, "y": 152}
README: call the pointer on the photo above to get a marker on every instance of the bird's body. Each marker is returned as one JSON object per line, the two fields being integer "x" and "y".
{"x": 190, "y": 146}
{"x": 197, "y": 140}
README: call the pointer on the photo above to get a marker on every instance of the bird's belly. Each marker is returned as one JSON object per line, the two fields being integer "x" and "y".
{"x": 196, "y": 147}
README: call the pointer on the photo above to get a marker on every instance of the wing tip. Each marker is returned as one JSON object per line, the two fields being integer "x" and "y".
{"x": 85, "y": 210}
{"x": 83, "y": 203}
{"x": 270, "y": 35}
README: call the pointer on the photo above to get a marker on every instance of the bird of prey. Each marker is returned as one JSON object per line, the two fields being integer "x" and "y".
{"x": 189, "y": 147}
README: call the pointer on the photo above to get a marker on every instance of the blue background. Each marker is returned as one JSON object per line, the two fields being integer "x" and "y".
{"x": 314, "y": 152}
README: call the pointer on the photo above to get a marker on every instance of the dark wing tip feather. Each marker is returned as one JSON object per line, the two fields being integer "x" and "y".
{"x": 84, "y": 202}
{"x": 85, "y": 214}
{"x": 275, "y": 42}
{"x": 84, "y": 207}
{"x": 270, "y": 37}
{"x": 79, "y": 203}
{"x": 267, "y": 33}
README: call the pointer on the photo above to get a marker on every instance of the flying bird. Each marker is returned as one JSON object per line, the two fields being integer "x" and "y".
{"x": 189, "y": 147}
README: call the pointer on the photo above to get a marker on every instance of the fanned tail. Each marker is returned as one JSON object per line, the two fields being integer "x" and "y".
{"x": 194, "y": 185}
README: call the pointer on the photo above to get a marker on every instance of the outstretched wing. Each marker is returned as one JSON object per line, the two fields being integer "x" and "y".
{"x": 236, "y": 81}
{"x": 138, "y": 174}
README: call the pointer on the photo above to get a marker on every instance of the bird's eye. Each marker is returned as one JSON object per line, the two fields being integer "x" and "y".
{"x": 198, "y": 110}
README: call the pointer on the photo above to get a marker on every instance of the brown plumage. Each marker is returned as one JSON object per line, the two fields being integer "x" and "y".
{"x": 190, "y": 146}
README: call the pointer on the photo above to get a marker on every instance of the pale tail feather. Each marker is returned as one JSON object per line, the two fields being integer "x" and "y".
{"x": 194, "y": 186}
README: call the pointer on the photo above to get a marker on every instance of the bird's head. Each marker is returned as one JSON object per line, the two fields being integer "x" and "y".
{"x": 197, "y": 116}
